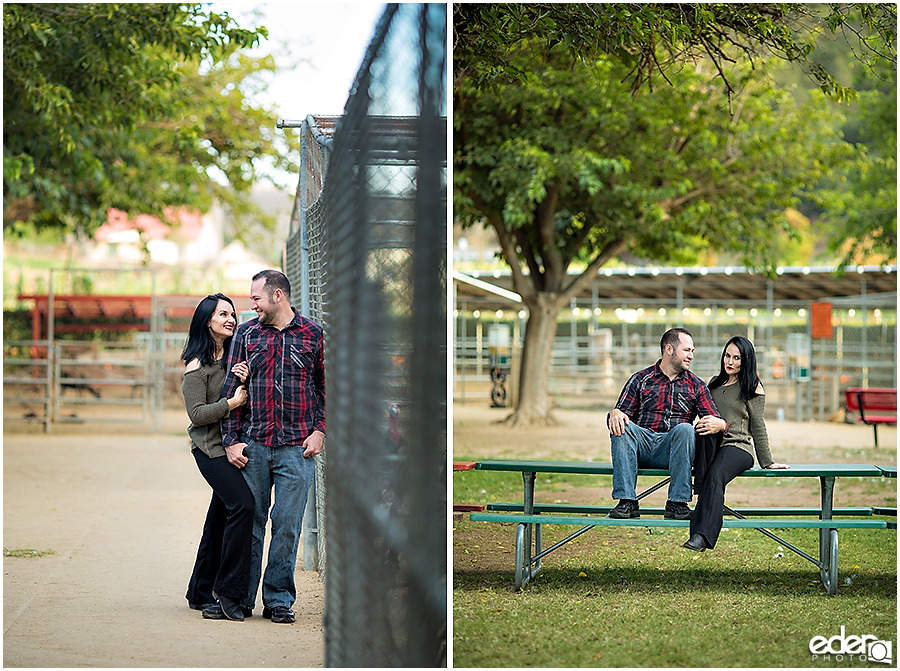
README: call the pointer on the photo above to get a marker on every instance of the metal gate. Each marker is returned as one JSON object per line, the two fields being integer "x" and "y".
{"x": 55, "y": 381}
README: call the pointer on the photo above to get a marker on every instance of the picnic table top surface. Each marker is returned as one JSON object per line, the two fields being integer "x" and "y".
{"x": 605, "y": 468}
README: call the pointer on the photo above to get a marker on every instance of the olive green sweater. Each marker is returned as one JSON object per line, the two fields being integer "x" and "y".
{"x": 746, "y": 420}
{"x": 202, "y": 389}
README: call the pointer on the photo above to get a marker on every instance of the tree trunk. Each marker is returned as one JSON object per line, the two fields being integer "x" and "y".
{"x": 540, "y": 332}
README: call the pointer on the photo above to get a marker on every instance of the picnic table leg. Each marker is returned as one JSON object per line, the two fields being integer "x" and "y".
{"x": 828, "y": 541}
{"x": 521, "y": 577}
{"x": 833, "y": 564}
{"x": 528, "y": 486}
{"x": 526, "y": 530}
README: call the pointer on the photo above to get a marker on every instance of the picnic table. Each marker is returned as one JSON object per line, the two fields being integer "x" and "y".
{"x": 874, "y": 405}
{"x": 529, "y": 517}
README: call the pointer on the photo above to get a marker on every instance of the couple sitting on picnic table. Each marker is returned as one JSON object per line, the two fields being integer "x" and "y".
{"x": 652, "y": 427}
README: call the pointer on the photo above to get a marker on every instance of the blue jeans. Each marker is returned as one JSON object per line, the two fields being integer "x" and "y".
{"x": 291, "y": 474}
{"x": 640, "y": 448}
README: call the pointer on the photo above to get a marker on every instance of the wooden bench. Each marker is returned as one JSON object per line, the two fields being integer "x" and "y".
{"x": 529, "y": 517}
{"x": 874, "y": 405}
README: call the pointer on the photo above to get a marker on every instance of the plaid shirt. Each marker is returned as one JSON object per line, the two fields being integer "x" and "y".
{"x": 653, "y": 401}
{"x": 286, "y": 388}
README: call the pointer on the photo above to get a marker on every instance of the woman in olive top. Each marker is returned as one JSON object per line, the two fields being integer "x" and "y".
{"x": 741, "y": 401}
{"x": 222, "y": 568}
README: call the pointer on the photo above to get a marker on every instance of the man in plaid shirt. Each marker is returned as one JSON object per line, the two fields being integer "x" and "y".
{"x": 651, "y": 426}
{"x": 275, "y": 435}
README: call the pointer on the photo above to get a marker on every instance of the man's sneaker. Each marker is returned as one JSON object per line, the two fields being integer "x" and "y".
{"x": 676, "y": 510}
{"x": 626, "y": 509}
{"x": 279, "y": 614}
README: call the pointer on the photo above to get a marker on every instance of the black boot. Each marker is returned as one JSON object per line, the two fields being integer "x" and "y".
{"x": 696, "y": 542}
{"x": 231, "y": 608}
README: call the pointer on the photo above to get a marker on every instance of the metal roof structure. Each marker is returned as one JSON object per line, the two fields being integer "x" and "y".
{"x": 721, "y": 284}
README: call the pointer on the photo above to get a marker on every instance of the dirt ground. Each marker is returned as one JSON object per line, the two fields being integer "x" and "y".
{"x": 123, "y": 513}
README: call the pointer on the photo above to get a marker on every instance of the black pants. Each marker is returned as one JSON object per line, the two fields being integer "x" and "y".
{"x": 706, "y": 519}
{"x": 223, "y": 556}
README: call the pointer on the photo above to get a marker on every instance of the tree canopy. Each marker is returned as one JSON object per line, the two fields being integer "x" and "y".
{"x": 567, "y": 146}
{"x": 651, "y": 39}
{"x": 862, "y": 227}
{"x": 569, "y": 166}
{"x": 572, "y": 167}
{"x": 137, "y": 107}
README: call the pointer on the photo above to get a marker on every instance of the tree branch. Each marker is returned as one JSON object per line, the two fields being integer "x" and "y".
{"x": 669, "y": 204}
{"x": 537, "y": 276}
{"x": 544, "y": 218}
{"x": 577, "y": 285}
{"x": 508, "y": 247}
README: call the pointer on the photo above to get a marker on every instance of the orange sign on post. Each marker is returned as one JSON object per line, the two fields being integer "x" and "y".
{"x": 820, "y": 320}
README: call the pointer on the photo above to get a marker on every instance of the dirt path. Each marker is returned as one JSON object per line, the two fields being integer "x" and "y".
{"x": 123, "y": 514}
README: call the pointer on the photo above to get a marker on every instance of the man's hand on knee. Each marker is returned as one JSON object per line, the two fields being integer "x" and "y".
{"x": 616, "y": 421}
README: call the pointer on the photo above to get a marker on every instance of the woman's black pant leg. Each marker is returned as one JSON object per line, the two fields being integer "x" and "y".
{"x": 209, "y": 554}
{"x": 223, "y": 556}
{"x": 706, "y": 518}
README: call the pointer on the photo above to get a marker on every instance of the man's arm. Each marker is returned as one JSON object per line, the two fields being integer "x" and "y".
{"x": 231, "y": 425}
{"x": 319, "y": 385}
{"x": 315, "y": 441}
{"x": 710, "y": 419}
{"x": 626, "y": 407}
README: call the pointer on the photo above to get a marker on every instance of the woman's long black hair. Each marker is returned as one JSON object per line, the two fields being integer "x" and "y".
{"x": 748, "y": 379}
{"x": 200, "y": 344}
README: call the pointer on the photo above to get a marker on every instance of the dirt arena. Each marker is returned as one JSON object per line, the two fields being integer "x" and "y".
{"x": 123, "y": 513}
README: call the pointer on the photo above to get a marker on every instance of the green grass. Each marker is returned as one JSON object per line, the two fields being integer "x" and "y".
{"x": 624, "y": 597}
{"x": 26, "y": 552}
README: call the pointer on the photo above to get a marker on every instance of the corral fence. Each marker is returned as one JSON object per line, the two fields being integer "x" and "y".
{"x": 49, "y": 380}
{"x": 371, "y": 239}
{"x": 58, "y": 378}
{"x": 599, "y": 344}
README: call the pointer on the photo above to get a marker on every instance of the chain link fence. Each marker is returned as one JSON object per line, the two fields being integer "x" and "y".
{"x": 369, "y": 246}
{"x": 305, "y": 269}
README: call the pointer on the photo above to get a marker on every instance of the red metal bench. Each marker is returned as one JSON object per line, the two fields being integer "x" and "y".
{"x": 874, "y": 405}
{"x": 465, "y": 507}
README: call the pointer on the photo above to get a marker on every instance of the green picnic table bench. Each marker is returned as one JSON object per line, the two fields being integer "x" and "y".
{"x": 529, "y": 517}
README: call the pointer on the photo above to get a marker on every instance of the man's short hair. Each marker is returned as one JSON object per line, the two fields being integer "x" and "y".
{"x": 274, "y": 280}
{"x": 673, "y": 337}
